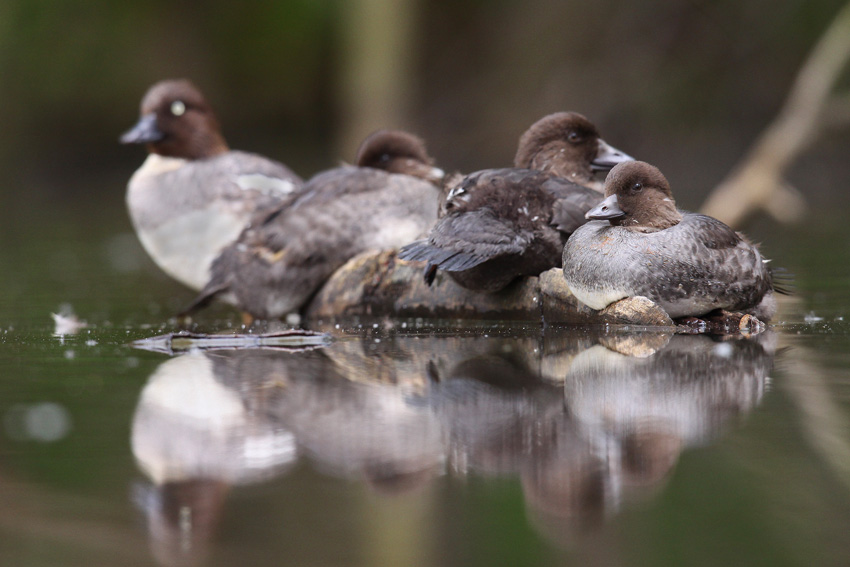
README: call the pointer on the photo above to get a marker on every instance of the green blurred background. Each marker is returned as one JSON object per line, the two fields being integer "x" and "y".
{"x": 685, "y": 85}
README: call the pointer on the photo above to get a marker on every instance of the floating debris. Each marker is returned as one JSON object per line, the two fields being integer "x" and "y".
{"x": 182, "y": 341}
{"x": 67, "y": 324}
{"x": 810, "y": 318}
{"x": 293, "y": 319}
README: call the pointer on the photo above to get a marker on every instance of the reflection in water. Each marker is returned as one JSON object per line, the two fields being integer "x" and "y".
{"x": 194, "y": 435}
{"x": 583, "y": 422}
{"x": 628, "y": 418}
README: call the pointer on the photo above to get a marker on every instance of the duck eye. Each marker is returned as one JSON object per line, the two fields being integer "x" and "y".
{"x": 574, "y": 137}
{"x": 636, "y": 188}
{"x": 384, "y": 158}
{"x": 178, "y": 108}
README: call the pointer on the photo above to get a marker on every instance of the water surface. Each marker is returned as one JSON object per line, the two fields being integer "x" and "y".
{"x": 406, "y": 444}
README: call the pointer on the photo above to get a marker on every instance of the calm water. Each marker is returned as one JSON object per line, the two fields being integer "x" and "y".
{"x": 406, "y": 445}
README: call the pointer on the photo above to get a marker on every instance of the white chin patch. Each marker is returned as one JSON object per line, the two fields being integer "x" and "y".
{"x": 156, "y": 164}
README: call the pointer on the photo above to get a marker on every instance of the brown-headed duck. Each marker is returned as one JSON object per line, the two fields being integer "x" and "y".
{"x": 640, "y": 244}
{"x": 194, "y": 195}
{"x": 500, "y": 224}
{"x": 389, "y": 198}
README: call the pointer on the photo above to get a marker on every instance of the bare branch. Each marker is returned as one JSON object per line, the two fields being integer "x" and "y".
{"x": 837, "y": 113}
{"x": 758, "y": 176}
{"x": 824, "y": 423}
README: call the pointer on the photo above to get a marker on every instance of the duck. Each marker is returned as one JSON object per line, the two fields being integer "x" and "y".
{"x": 193, "y": 195}
{"x": 387, "y": 198}
{"x": 638, "y": 243}
{"x": 568, "y": 145}
{"x": 498, "y": 225}
{"x": 398, "y": 151}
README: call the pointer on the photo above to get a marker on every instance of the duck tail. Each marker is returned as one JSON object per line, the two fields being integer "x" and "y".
{"x": 429, "y": 274}
{"x": 782, "y": 281}
{"x": 415, "y": 251}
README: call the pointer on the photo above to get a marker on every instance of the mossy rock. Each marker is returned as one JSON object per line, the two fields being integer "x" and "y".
{"x": 378, "y": 284}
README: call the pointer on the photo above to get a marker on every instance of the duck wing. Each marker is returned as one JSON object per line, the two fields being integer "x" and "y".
{"x": 711, "y": 260}
{"x": 462, "y": 241}
{"x": 572, "y": 201}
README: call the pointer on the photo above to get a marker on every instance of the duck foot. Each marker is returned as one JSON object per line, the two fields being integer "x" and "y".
{"x": 722, "y": 322}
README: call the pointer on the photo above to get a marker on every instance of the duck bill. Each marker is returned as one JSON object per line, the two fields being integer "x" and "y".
{"x": 429, "y": 173}
{"x": 433, "y": 175}
{"x": 144, "y": 132}
{"x": 607, "y": 157}
{"x": 606, "y": 210}
{"x": 436, "y": 176}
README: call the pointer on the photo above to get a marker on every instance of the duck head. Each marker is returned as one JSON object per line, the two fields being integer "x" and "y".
{"x": 566, "y": 144}
{"x": 176, "y": 121}
{"x": 638, "y": 196}
{"x": 396, "y": 151}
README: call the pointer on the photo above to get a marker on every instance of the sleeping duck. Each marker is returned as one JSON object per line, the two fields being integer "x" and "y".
{"x": 640, "y": 244}
{"x": 500, "y": 224}
{"x": 387, "y": 199}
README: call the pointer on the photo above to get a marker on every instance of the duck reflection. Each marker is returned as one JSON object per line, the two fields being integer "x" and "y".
{"x": 196, "y": 432}
{"x": 631, "y": 407}
{"x": 585, "y": 422}
{"x": 377, "y": 431}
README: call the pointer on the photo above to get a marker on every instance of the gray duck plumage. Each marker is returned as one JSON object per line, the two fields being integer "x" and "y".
{"x": 641, "y": 244}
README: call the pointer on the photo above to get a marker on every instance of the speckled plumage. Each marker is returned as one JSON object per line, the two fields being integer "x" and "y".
{"x": 693, "y": 267}
{"x": 501, "y": 224}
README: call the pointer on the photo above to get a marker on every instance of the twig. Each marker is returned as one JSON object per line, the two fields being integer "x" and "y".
{"x": 757, "y": 181}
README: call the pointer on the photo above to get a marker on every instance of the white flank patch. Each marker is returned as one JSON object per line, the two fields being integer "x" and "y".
{"x": 189, "y": 425}
{"x": 265, "y": 184}
{"x": 598, "y": 298}
{"x": 186, "y": 246}
{"x": 396, "y": 232}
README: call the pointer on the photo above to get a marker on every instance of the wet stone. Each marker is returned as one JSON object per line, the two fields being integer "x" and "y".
{"x": 377, "y": 284}
{"x": 636, "y": 310}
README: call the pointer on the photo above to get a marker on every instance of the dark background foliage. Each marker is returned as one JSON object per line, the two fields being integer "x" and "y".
{"x": 684, "y": 85}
